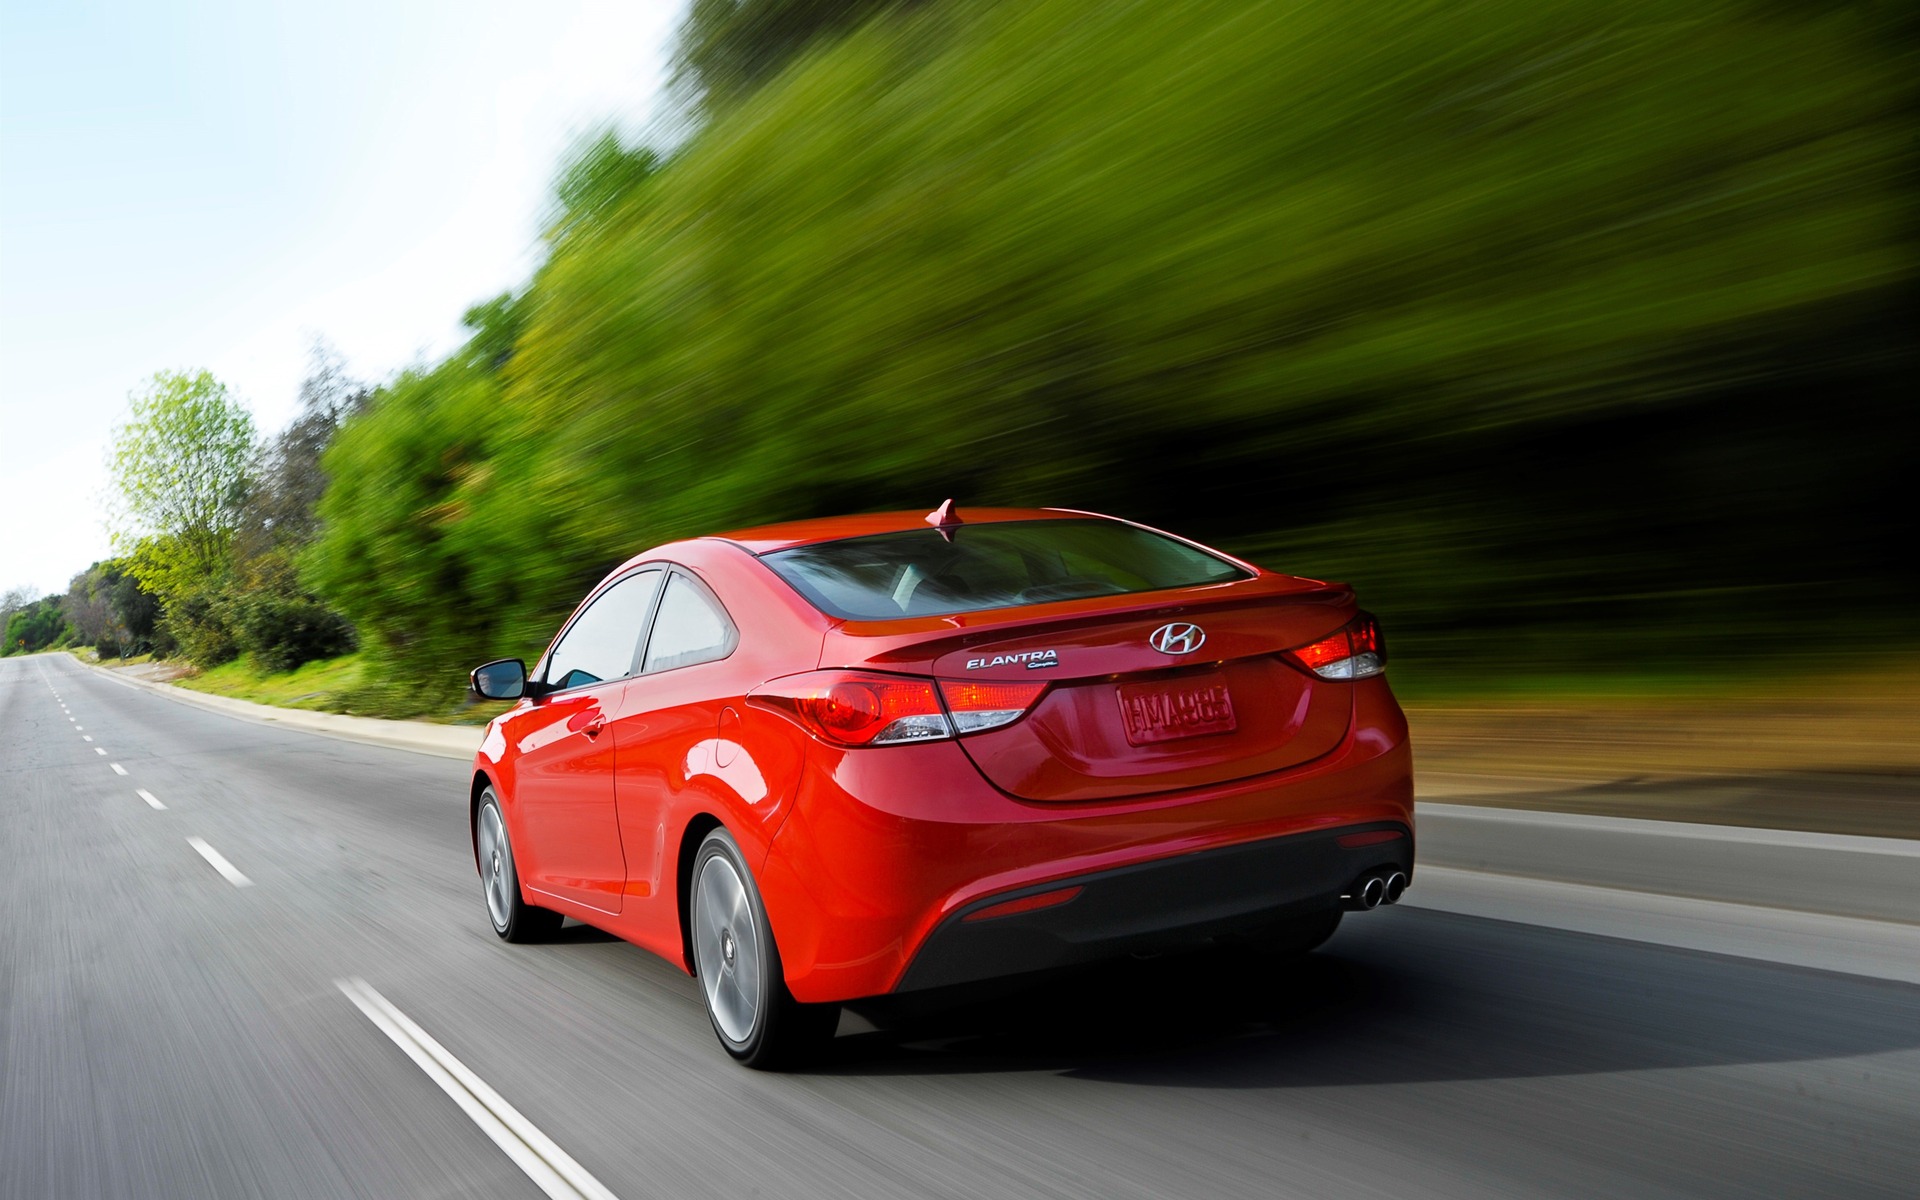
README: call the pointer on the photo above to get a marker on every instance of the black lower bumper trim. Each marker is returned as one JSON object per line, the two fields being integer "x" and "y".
{"x": 1168, "y": 904}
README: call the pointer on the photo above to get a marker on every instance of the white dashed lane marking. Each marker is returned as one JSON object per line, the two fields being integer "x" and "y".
{"x": 219, "y": 863}
{"x": 117, "y": 768}
{"x": 99, "y": 750}
{"x": 149, "y": 797}
{"x": 552, "y": 1169}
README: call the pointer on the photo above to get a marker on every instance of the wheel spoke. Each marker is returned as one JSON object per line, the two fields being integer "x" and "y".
{"x": 746, "y": 964}
{"x": 494, "y": 866}
{"x": 723, "y": 914}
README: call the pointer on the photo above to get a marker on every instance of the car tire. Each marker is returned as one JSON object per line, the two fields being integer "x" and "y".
{"x": 737, "y": 963}
{"x": 512, "y": 917}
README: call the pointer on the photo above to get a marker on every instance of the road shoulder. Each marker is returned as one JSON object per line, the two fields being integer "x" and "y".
{"x": 444, "y": 741}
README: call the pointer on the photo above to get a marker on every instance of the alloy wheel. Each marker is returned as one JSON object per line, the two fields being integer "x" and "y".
{"x": 727, "y": 949}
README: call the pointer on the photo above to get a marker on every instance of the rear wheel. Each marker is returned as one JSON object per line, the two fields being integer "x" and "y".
{"x": 513, "y": 918}
{"x": 756, "y": 1019}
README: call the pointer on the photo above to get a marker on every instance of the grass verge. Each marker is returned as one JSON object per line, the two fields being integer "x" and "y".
{"x": 342, "y": 685}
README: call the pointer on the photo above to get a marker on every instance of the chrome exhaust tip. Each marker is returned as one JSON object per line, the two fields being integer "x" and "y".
{"x": 1372, "y": 892}
{"x": 1395, "y": 887}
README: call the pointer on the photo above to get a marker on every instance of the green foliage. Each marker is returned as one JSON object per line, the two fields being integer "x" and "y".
{"x": 277, "y": 513}
{"x": 36, "y": 626}
{"x": 594, "y": 181}
{"x": 200, "y": 626}
{"x": 728, "y": 48}
{"x": 136, "y": 611}
{"x": 91, "y": 608}
{"x": 279, "y": 633}
{"x": 401, "y": 554}
{"x": 1496, "y": 309}
{"x": 181, "y": 466}
{"x": 213, "y": 522}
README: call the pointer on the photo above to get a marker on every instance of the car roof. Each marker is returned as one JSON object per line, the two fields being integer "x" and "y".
{"x": 766, "y": 539}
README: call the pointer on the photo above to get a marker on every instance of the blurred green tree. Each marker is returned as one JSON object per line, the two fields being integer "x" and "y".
{"x": 35, "y": 626}
{"x": 285, "y": 482}
{"x": 594, "y": 180}
{"x": 89, "y": 609}
{"x": 727, "y": 48}
{"x": 1526, "y": 315}
{"x": 180, "y": 465}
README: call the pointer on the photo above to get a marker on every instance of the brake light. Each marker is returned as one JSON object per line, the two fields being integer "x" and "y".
{"x": 1356, "y": 651}
{"x": 977, "y": 706}
{"x": 855, "y": 708}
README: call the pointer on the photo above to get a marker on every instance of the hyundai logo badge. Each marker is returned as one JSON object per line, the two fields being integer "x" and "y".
{"x": 1178, "y": 637}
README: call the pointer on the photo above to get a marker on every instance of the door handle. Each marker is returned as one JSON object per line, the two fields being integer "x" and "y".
{"x": 592, "y": 728}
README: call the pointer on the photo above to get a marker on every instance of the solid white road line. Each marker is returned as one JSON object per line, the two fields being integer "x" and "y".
{"x": 551, "y": 1168}
{"x": 219, "y": 863}
{"x": 117, "y": 768}
{"x": 149, "y": 797}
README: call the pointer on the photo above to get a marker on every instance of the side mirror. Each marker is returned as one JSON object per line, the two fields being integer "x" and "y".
{"x": 502, "y": 679}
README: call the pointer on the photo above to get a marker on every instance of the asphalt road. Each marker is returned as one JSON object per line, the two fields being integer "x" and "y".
{"x": 165, "y": 1032}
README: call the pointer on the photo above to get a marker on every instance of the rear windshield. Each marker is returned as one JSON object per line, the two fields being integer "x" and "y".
{"x": 920, "y": 573}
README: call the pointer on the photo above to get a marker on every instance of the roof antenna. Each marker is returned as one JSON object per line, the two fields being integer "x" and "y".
{"x": 945, "y": 520}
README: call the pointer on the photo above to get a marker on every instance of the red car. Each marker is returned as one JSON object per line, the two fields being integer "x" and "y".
{"x": 845, "y": 758}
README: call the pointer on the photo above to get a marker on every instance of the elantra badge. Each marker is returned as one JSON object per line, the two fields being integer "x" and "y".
{"x": 1178, "y": 637}
{"x": 1035, "y": 660}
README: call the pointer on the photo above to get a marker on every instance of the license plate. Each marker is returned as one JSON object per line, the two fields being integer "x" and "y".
{"x": 1161, "y": 712}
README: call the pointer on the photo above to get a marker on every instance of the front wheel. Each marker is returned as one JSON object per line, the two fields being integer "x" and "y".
{"x": 513, "y": 918}
{"x": 757, "y": 1020}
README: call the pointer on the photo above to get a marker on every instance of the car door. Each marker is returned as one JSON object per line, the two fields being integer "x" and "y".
{"x": 564, "y": 777}
{"x": 669, "y": 719}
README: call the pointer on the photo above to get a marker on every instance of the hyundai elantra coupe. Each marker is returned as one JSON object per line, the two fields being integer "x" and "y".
{"x": 853, "y": 757}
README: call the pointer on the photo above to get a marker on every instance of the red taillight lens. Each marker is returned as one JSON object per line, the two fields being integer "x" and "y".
{"x": 1367, "y": 638}
{"x": 1355, "y": 652}
{"x": 1336, "y": 648}
{"x": 977, "y": 706}
{"x": 855, "y": 708}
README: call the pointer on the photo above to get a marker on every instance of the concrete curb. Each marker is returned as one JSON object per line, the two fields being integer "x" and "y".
{"x": 443, "y": 741}
{"x": 1850, "y": 945}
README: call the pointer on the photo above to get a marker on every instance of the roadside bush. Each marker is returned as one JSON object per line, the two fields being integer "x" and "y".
{"x": 198, "y": 625}
{"x": 282, "y": 632}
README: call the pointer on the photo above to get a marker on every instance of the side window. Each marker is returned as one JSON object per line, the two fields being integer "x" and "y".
{"x": 690, "y": 629}
{"x": 601, "y": 643}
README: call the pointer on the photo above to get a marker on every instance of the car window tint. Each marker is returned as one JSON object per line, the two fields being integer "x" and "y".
{"x": 927, "y": 572}
{"x": 601, "y": 643}
{"x": 690, "y": 628}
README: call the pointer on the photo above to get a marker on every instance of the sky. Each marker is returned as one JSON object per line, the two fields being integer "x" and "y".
{"x": 203, "y": 184}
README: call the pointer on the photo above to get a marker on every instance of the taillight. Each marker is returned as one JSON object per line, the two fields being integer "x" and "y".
{"x": 863, "y": 708}
{"x": 977, "y": 706}
{"x": 854, "y": 708}
{"x": 1356, "y": 651}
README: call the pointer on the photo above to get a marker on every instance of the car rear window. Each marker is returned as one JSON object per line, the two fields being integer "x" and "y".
{"x": 920, "y": 573}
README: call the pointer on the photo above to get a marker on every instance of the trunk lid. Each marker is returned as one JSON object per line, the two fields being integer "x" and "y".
{"x": 1121, "y": 718}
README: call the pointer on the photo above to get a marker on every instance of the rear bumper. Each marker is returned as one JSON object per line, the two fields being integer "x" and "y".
{"x": 1237, "y": 891}
{"x": 886, "y": 849}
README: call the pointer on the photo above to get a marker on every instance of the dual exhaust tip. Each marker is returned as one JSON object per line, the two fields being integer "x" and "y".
{"x": 1375, "y": 888}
